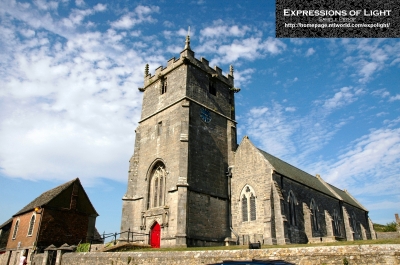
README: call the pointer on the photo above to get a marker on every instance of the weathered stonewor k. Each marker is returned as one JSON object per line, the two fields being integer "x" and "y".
{"x": 189, "y": 184}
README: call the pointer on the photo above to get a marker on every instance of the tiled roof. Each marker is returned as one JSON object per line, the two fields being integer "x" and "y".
{"x": 45, "y": 198}
{"x": 6, "y": 223}
{"x": 296, "y": 174}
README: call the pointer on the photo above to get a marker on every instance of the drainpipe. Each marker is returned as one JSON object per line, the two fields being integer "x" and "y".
{"x": 39, "y": 211}
{"x": 229, "y": 175}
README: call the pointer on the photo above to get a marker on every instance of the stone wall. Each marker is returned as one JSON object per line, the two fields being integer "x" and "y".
{"x": 387, "y": 235}
{"x": 355, "y": 255}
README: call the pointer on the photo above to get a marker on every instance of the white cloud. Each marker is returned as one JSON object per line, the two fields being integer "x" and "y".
{"x": 100, "y": 8}
{"x": 248, "y": 49}
{"x": 270, "y": 128}
{"x": 168, "y": 24}
{"x": 218, "y": 30}
{"x": 368, "y": 57}
{"x": 184, "y": 32}
{"x": 370, "y": 157}
{"x": 296, "y": 41}
{"x": 257, "y": 112}
{"x": 290, "y": 82}
{"x": 367, "y": 69}
{"x": 393, "y": 98}
{"x": 46, "y": 5}
{"x": 380, "y": 93}
{"x": 345, "y": 96}
{"x": 125, "y": 22}
{"x": 140, "y": 15}
{"x": 290, "y": 109}
{"x": 274, "y": 46}
{"x": 28, "y": 33}
{"x": 384, "y": 205}
{"x": 382, "y": 114}
{"x": 80, "y": 3}
{"x": 243, "y": 77}
{"x": 75, "y": 98}
{"x": 310, "y": 52}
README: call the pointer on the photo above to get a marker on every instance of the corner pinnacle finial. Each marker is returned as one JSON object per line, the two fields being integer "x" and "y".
{"x": 231, "y": 70}
{"x": 146, "y": 70}
{"x": 187, "y": 43}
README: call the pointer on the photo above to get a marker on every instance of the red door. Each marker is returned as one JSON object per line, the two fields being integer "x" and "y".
{"x": 155, "y": 236}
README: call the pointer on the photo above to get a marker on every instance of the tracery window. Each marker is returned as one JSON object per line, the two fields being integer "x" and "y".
{"x": 336, "y": 222}
{"x": 31, "y": 224}
{"x": 292, "y": 209}
{"x": 157, "y": 186}
{"x": 248, "y": 204}
{"x": 15, "y": 229}
{"x": 314, "y": 215}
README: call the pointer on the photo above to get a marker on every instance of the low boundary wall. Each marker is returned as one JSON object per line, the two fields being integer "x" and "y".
{"x": 387, "y": 235}
{"x": 355, "y": 255}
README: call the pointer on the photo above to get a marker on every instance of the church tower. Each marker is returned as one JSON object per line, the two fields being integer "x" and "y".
{"x": 185, "y": 141}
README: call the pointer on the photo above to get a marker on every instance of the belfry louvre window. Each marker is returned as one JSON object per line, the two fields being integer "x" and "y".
{"x": 31, "y": 224}
{"x": 211, "y": 88}
{"x": 157, "y": 186}
{"x": 248, "y": 204}
{"x": 164, "y": 85}
{"x": 15, "y": 229}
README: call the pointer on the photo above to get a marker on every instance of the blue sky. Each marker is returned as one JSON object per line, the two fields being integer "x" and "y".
{"x": 69, "y": 73}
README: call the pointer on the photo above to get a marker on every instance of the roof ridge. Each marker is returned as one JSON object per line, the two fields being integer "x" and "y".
{"x": 42, "y": 200}
{"x": 328, "y": 186}
{"x": 351, "y": 196}
{"x": 296, "y": 174}
{"x": 286, "y": 162}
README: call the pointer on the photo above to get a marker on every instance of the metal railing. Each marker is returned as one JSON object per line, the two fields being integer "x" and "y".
{"x": 132, "y": 237}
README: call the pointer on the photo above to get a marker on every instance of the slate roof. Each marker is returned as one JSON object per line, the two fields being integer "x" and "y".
{"x": 296, "y": 174}
{"x": 6, "y": 223}
{"x": 302, "y": 177}
{"x": 347, "y": 198}
{"x": 47, "y": 197}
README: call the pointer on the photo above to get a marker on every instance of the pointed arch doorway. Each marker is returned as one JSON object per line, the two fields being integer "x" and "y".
{"x": 155, "y": 235}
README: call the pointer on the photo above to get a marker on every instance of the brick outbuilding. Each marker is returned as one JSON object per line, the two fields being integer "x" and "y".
{"x": 61, "y": 215}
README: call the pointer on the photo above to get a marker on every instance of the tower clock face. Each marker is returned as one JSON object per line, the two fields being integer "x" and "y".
{"x": 205, "y": 115}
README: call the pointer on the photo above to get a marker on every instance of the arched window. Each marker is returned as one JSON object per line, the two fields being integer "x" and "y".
{"x": 314, "y": 215}
{"x": 15, "y": 229}
{"x": 354, "y": 223}
{"x": 31, "y": 224}
{"x": 157, "y": 186}
{"x": 249, "y": 210}
{"x": 292, "y": 208}
{"x": 245, "y": 214}
{"x": 253, "y": 214}
{"x": 336, "y": 222}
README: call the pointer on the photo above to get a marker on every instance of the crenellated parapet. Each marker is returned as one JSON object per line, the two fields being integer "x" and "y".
{"x": 187, "y": 58}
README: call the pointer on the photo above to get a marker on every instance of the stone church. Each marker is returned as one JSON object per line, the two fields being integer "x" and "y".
{"x": 190, "y": 184}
